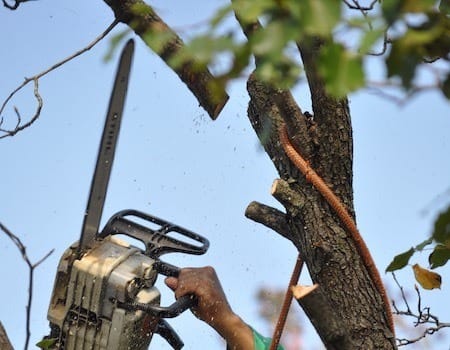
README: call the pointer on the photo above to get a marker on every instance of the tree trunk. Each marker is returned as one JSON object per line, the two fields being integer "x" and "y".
{"x": 348, "y": 312}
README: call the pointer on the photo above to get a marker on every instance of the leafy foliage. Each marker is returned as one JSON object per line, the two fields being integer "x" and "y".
{"x": 411, "y": 33}
{"x": 440, "y": 240}
{"x": 350, "y": 74}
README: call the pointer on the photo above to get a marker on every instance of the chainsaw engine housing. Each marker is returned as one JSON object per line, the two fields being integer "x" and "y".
{"x": 84, "y": 311}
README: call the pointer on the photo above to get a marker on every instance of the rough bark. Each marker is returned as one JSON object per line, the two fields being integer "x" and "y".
{"x": 332, "y": 259}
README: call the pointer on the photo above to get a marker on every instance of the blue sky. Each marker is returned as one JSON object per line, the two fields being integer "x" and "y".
{"x": 174, "y": 162}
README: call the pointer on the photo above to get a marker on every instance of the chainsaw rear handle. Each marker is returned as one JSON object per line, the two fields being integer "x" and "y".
{"x": 179, "y": 306}
{"x": 171, "y": 311}
{"x": 157, "y": 241}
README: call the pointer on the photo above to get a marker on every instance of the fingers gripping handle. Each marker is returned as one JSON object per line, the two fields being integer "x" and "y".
{"x": 157, "y": 241}
{"x": 179, "y": 306}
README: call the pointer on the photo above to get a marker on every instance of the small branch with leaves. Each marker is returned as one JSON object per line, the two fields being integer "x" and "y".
{"x": 422, "y": 316}
{"x": 31, "y": 267}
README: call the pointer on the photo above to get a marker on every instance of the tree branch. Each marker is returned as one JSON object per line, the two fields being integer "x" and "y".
{"x": 422, "y": 316}
{"x": 209, "y": 92}
{"x": 31, "y": 267}
{"x": 19, "y": 126}
{"x": 269, "y": 217}
{"x": 322, "y": 316}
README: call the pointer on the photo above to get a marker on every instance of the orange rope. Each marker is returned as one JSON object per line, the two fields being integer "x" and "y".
{"x": 286, "y": 304}
{"x": 312, "y": 177}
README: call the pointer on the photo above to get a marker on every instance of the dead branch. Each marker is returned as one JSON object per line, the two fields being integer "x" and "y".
{"x": 31, "y": 267}
{"x": 269, "y": 217}
{"x": 35, "y": 79}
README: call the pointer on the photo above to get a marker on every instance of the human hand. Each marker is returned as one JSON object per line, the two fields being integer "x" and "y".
{"x": 212, "y": 305}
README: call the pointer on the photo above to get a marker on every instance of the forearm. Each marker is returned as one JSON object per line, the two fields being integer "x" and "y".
{"x": 237, "y": 334}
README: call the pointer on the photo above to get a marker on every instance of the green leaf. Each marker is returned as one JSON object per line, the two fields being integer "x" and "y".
{"x": 415, "y": 37}
{"x": 395, "y": 9}
{"x": 272, "y": 40}
{"x": 319, "y": 17}
{"x": 444, "y": 7}
{"x": 205, "y": 48}
{"x": 391, "y": 10}
{"x": 400, "y": 261}
{"x": 114, "y": 43}
{"x": 418, "y": 6}
{"x": 220, "y": 15}
{"x": 422, "y": 245}
{"x": 369, "y": 39}
{"x": 403, "y": 62}
{"x": 280, "y": 72}
{"x": 250, "y": 11}
{"x": 441, "y": 232}
{"x": 47, "y": 344}
{"x": 439, "y": 256}
{"x": 341, "y": 70}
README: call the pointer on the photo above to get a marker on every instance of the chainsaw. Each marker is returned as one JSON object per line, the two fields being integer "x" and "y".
{"x": 104, "y": 295}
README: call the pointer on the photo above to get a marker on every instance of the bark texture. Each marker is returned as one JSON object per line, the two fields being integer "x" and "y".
{"x": 348, "y": 296}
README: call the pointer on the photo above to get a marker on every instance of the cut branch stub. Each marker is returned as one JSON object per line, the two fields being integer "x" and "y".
{"x": 269, "y": 217}
{"x": 289, "y": 198}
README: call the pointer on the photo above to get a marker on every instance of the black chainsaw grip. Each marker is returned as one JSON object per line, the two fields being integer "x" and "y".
{"x": 157, "y": 241}
{"x": 179, "y": 306}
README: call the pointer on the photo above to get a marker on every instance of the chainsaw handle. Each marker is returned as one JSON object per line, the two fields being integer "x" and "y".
{"x": 179, "y": 306}
{"x": 157, "y": 241}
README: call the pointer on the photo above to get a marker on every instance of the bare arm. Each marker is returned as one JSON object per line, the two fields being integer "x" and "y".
{"x": 213, "y": 307}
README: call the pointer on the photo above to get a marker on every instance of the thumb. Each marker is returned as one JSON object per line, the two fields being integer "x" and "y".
{"x": 171, "y": 282}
